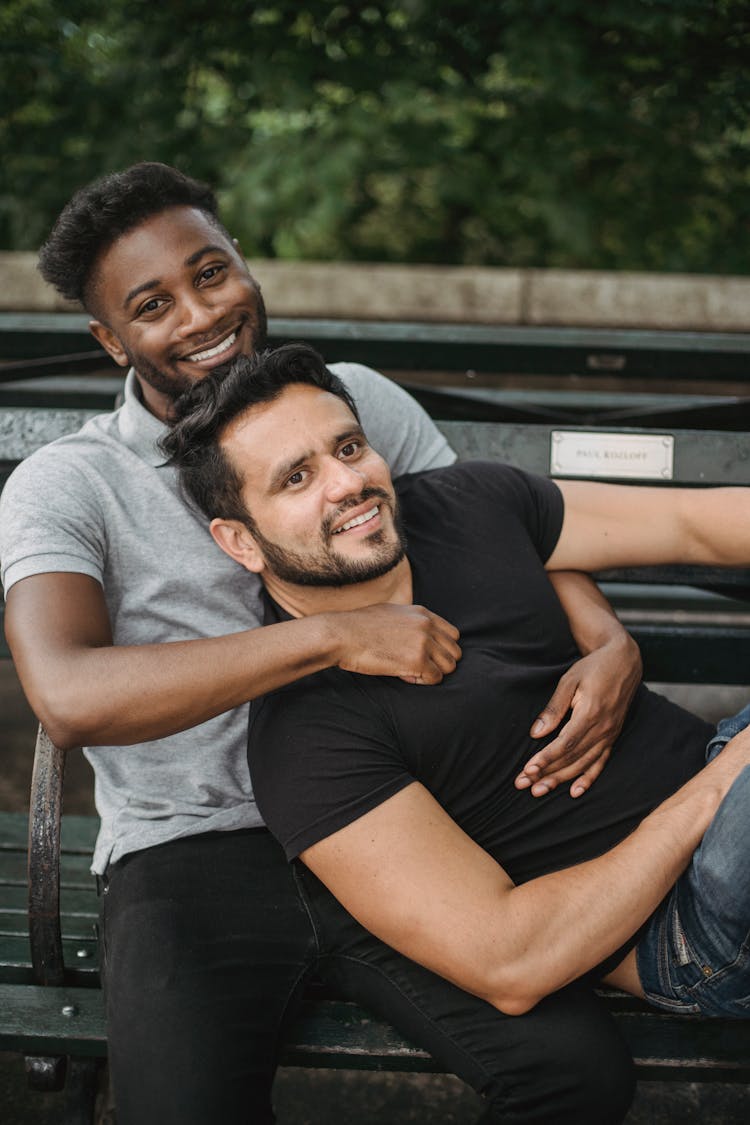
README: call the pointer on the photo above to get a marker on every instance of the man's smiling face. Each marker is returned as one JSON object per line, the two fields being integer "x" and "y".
{"x": 175, "y": 300}
{"x": 321, "y": 501}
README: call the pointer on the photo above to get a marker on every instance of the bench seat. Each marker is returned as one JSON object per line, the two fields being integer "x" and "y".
{"x": 69, "y": 1019}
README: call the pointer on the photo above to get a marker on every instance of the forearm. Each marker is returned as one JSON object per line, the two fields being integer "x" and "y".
{"x": 118, "y": 695}
{"x": 591, "y": 618}
{"x": 566, "y": 923}
{"x": 409, "y": 874}
{"x": 87, "y": 690}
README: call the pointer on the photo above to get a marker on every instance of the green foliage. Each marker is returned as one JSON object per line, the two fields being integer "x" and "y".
{"x": 508, "y": 132}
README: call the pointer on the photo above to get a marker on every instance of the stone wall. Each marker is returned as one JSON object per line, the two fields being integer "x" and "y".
{"x": 459, "y": 294}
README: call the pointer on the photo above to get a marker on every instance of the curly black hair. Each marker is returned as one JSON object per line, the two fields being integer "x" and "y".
{"x": 199, "y": 417}
{"x": 98, "y": 214}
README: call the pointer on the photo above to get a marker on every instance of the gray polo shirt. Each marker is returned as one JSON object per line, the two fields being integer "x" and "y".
{"x": 102, "y": 503}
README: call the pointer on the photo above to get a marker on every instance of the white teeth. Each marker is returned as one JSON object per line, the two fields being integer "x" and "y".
{"x": 224, "y": 346}
{"x": 358, "y": 520}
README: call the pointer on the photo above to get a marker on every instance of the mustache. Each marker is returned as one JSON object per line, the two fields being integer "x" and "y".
{"x": 370, "y": 493}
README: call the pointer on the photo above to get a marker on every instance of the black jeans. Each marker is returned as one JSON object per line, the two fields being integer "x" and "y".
{"x": 207, "y": 943}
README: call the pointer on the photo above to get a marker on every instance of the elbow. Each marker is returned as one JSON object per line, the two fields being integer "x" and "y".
{"x": 63, "y": 734}
{"x": 62, "y": 717}
{"x": 515, "y": 1002}
{"x": 61, "y": 737}
{"x": 514, "y": 991}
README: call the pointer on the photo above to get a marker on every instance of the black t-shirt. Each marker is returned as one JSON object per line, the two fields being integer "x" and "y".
{"x": 327, "y": 749}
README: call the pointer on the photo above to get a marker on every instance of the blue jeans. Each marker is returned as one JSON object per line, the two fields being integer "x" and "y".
{"x": 694, "y": 956}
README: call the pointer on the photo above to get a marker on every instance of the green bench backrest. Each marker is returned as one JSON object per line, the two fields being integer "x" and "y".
{"x": 700, "y": 651}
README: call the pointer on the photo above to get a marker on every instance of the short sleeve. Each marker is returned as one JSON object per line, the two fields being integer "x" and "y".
{"x": 395, "y": 424}
{"x": 49, "y": 520}
{"x": 540, "y": 506}
{"x": 485, "y": 494}
{"x": 321, "y": 755}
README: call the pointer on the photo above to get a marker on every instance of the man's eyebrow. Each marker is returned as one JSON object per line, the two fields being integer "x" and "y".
{"x": 355, "y": 430}
{"x": 154, "y": 283}
{"x": 286, "y": 469}
{"x": 210, "y": 249}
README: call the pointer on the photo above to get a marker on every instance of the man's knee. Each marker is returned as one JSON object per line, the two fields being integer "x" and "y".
{"x": 584, "y": 1075}
{"x": 600, "y": 1079}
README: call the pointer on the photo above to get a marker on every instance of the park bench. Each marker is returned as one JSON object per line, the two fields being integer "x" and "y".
{"x": 504, "y": 373}
{"x": 51, "y": 1007}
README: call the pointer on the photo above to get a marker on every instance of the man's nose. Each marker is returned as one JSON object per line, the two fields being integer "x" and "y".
{"x": 343, "y": 480}
{"x": 199, "y": 314}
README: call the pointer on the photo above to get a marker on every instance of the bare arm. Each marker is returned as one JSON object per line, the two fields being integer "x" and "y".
{"x": 85, "y": 690}
{"x": 608, "y": 525}
{"x": 409, "y": 874}
{"x": 597, "y": 691}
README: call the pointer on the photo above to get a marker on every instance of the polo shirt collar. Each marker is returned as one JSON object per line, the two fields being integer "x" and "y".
{"x": 139, "y": 428}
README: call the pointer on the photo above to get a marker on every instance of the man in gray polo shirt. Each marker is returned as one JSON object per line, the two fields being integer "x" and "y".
{"x": 130, "y": 629}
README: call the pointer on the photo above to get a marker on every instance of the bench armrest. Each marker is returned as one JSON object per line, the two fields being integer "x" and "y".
{"x": 45, "y": 933}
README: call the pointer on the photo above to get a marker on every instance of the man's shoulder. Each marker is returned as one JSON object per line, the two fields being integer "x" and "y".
{"x": 291, "y": 710}
{"x": 470, "y": 495}
{"x": 459, "y": 477}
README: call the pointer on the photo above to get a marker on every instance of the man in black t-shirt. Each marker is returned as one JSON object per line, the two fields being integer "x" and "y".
{"x": 406, "y": 805}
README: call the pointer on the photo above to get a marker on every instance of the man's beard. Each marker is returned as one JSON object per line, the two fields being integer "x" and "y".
{"x": 169, "y": 385}
{"x": 326, "y": 567}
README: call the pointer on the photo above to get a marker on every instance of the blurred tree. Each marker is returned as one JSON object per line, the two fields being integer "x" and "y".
{"x": 508, "y": 132}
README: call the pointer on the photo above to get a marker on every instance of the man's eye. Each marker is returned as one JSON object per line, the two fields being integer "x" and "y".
{"x": 350, "y": 449}
{"x": 210, "y": 272}
{"x": 297, "y": 478}
{"x": 151, "y": 306}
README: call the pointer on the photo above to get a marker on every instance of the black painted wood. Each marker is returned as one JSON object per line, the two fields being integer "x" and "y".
{"x": 57, "y": 337}
{"x": 340, "y": 1035}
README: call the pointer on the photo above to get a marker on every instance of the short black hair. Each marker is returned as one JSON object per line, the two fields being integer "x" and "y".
{"x": 200, "y": 416}
{"x": 98, "y": 214}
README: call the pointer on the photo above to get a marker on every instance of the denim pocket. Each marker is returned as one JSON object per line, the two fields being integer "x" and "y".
{"x": 726, "y": 730}
{"x": 722, "y": 991}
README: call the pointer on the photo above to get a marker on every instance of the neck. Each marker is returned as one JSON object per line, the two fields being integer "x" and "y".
{"x": 155, "y": 402}
{"x": 304, "y": 601}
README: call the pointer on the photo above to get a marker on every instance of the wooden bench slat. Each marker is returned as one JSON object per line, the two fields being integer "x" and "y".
{"x": 75, "y": 928}
{"x": 75, "y": 903}
{"x": 700, "y": 456}
{"x": 74, "y": 870}
{"x": 522, "y": 349}
{"x": 700, "y": 1049}
{"x": 16, "y": 967}
{"x": 15, "y": 832}
{"x": 33, "y": 1020}
{"x": 78, "y": 833}
{"x": 693, "y": 654}
{"x": 340, "y": 1034}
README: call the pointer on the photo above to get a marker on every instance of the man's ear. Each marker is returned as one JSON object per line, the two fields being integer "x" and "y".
{"x": 237, "y": 542}
{"x": 106, "y": 337}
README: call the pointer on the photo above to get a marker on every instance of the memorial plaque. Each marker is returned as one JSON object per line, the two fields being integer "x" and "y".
{"x": 584, "y": 454}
